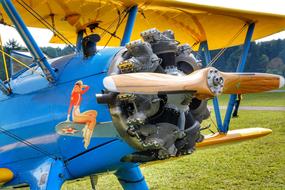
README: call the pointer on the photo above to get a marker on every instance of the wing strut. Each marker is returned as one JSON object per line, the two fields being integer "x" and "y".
{"x": 240, "y": 68}
{"x": 224, "y": 127}
{"x": 29, "y": 40}
{"x": 130, "y": 25}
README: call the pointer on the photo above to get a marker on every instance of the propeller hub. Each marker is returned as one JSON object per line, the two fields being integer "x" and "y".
{"x": 215, "y": 81}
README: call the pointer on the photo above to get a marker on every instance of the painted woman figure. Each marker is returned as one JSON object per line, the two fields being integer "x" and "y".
{"x": 88, "y": 118}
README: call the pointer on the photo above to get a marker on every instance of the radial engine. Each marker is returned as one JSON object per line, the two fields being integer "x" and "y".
{"x": 162, "y": 125}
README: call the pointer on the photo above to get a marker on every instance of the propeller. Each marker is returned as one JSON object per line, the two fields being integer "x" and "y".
{"x": 204, "y": 83}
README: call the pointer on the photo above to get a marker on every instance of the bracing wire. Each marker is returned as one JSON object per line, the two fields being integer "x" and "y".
{"x": 119, "y": 22}
{"x": 112, "y": 34}
{"x": 214, "y": 123}
{"x": 21, "y": 63}
{"x": 221, "y": 52}
{"x": 36, "y": 15}
{"x": 62, "y": 37}
{"x": 29, "y": 144}
{"x": 110, "y": 26}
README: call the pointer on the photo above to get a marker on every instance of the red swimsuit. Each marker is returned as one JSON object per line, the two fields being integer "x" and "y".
{"x": 76, "y": 96}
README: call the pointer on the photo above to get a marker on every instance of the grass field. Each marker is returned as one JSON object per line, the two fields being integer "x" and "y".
{"x": 262, "y": 99}
{"x": 256, "y": 164}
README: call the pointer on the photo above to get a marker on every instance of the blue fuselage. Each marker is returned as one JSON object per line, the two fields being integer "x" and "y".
{"x": 30, "y": 114}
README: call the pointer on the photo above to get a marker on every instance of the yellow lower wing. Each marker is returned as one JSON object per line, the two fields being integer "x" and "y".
{"x": 234, "y": 136}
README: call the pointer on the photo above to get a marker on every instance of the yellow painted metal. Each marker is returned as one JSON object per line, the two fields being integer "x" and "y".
{"x": 234, "y": 136}
{"x": 6, "y": 175}
{"x": 192, "y": 23}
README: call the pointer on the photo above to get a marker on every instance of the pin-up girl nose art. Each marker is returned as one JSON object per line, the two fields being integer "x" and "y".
{"x": 88, "y": 117}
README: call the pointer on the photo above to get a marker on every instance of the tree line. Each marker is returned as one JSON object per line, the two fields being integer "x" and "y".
{"x": 266, "y": 57}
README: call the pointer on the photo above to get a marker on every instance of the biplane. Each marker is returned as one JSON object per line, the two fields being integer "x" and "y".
{"x": 139, "y": 98}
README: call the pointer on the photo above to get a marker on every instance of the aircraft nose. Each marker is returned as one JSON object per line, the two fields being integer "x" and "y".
{"x": 281, "y": 81}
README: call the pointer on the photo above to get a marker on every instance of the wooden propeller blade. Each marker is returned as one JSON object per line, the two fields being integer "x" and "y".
{"x": 204, "y": 83}
{"x": 153, "y": 83}
{"x": 243, "y": 83}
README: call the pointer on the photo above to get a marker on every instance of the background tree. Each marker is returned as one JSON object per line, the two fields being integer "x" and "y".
{"x": 12, "y": 44}
{"x": 275, "y": 66}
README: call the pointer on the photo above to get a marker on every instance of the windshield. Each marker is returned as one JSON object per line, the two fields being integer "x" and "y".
{"x": 24, "y": 57}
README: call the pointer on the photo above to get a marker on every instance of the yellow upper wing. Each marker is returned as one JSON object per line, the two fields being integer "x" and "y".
{"x": 192, "y": 23}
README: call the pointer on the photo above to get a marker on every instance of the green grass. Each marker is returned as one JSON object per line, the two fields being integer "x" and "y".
{"x": 262, "y": 99}
{"x": 255, "y": 164}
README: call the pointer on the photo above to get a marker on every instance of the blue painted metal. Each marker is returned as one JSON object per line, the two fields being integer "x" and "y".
{"x": 131, "y": 178}
{"x": 228, "y": 115}
{"x": 246, "y": 47}
{"x": 215, "y": 100}
{"x": 129, "y": 26}
{"x": 79, "y": 41}
{"x": 217, "y": 113}
{"x": 98, "y": 158}
{"x": 205, "y": 50}
{"x": 56, "y": 175}
{"x": 36, "y": 107}
{"x": 29, "y": 40}
{"x": 240, "y": 68}
{"x": 40, "y": 173}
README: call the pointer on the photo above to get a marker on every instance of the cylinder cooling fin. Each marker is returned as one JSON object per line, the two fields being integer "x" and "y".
{"x": 162, "y": 125}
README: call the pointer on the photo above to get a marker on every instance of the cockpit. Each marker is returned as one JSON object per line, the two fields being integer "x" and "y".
{"x": 25, "y": 75}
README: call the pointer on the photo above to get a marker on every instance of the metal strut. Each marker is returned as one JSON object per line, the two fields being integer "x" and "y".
{"x": 29, "y": 40}
{"x": 131, "y": 178}
{"x": 240, "y": 68}
{"x": 207, "y": 55}
{"x": 79, "y": 40}
{"x": 130, "y": 25}
{"x": 224, "y": 127}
